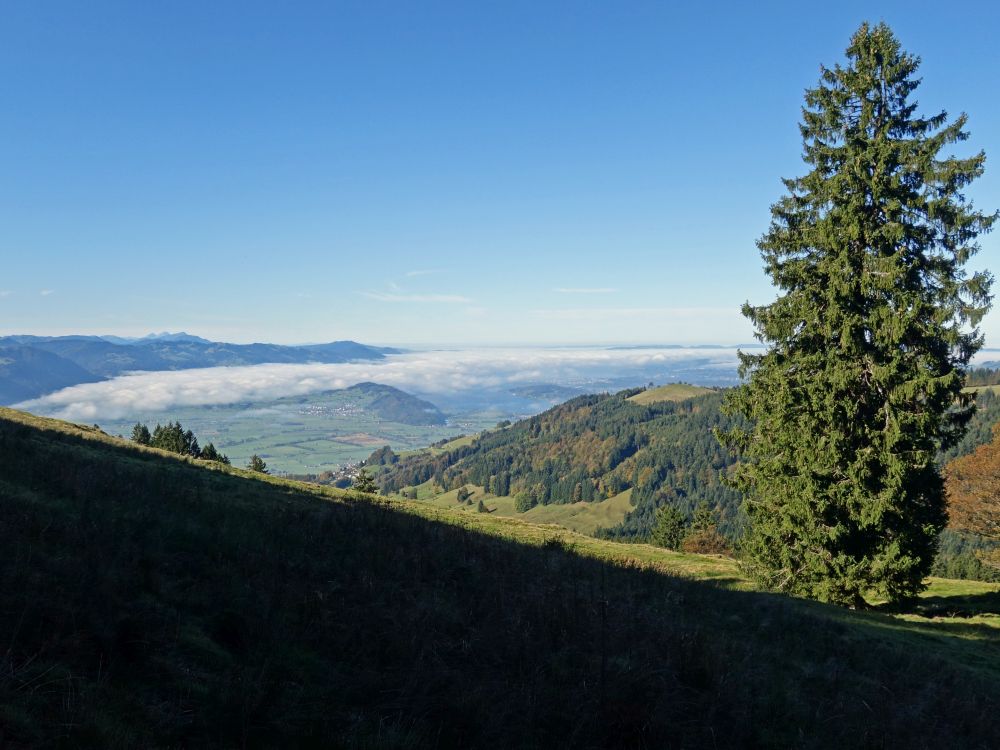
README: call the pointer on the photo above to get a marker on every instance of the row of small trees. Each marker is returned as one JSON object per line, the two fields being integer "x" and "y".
{"x": 174, "y": 438}
{"x": 701, "y": 534}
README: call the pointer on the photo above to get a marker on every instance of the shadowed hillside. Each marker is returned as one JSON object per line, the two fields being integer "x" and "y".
{"x": 148, "y": 600}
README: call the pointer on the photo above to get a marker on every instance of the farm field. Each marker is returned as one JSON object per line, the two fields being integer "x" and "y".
{"x": 304, "y": 434}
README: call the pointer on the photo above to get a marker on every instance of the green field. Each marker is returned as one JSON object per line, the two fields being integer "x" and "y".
{"x": 152, "y": 600}
{"x": 979, "y": 388}
{"x": 584, "y": 518}
{"x": 669, "y": 392}
{"x": 304, "y": 434}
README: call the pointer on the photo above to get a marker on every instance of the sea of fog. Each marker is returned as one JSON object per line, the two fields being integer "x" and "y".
{"x": 451, "y": 378}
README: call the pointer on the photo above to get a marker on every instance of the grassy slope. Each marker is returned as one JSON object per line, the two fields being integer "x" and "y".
{"x": 149, "y": 601}
{"x": 669, "y": 392}
{"x": 436, "y": 450}
{"x": 584, "y": 518}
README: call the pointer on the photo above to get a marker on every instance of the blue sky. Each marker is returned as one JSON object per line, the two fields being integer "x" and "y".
{"x": 425, "y": 172}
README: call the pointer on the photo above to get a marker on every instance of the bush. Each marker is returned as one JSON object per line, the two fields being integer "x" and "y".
{"x": 706, "y": 542}
{"x": 523, "y": 502}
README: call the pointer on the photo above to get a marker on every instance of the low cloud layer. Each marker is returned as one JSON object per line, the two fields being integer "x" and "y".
{"x": 429, "y": 373}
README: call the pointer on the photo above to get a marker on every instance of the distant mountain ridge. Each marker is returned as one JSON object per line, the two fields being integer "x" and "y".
{"x": 153, "y": 337}
{"x": 36, "y": 365}
{"x": 26, "y": 372}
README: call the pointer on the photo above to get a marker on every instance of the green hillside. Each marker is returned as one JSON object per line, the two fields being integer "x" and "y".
{"x": 394, "y": 405}
{"x": 148, "y": 600}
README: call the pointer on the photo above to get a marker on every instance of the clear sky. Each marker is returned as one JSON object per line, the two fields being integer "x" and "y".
{"x": 426, "y": 172}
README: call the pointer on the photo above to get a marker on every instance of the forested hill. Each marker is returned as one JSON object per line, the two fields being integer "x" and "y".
{"x": 394, "y": 405}
{"x": 589, "y": 449}
{"x": 594, "y": 447}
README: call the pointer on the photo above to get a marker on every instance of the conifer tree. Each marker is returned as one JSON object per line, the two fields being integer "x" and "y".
{"x": 364, "y": 482}
{"x": 867, "y": 343}
{"x": 211, "y": 453}
{"x": 256, "y": 463}
{"x": 670, "y": 528}
{"x": 140, "y": 434}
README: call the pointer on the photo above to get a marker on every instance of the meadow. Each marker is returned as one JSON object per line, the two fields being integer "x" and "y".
{"x": 583, "y": 518}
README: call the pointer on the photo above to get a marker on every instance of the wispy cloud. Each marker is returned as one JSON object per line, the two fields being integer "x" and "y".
{"x": 423, "y": 272}
{"x": 436, "y": 372}
{"x": 47, "y": 292}
{"x": 5, "y": 292}
{"x": 585, "y": 290}
{"x": 446, "y": 298}
{"x": 605, "y": 313}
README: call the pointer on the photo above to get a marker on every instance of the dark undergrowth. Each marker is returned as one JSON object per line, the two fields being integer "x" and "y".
{"x": 146, "y": 601}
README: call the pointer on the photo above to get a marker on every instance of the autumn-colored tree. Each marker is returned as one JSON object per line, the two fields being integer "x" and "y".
{"x": 972, "y": 484}
{"x": 704, "y": 537}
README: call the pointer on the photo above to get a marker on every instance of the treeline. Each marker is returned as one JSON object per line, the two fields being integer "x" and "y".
{"x": 965, "y": 555}
{"x": 589, "y": 449}
{"x": 980, "y": 428}
{"x": 982, "y": 376}
{"x": 174, "y": 438}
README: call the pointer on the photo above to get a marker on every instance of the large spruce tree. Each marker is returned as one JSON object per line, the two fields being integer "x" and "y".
{"x": 867, "y": 343}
